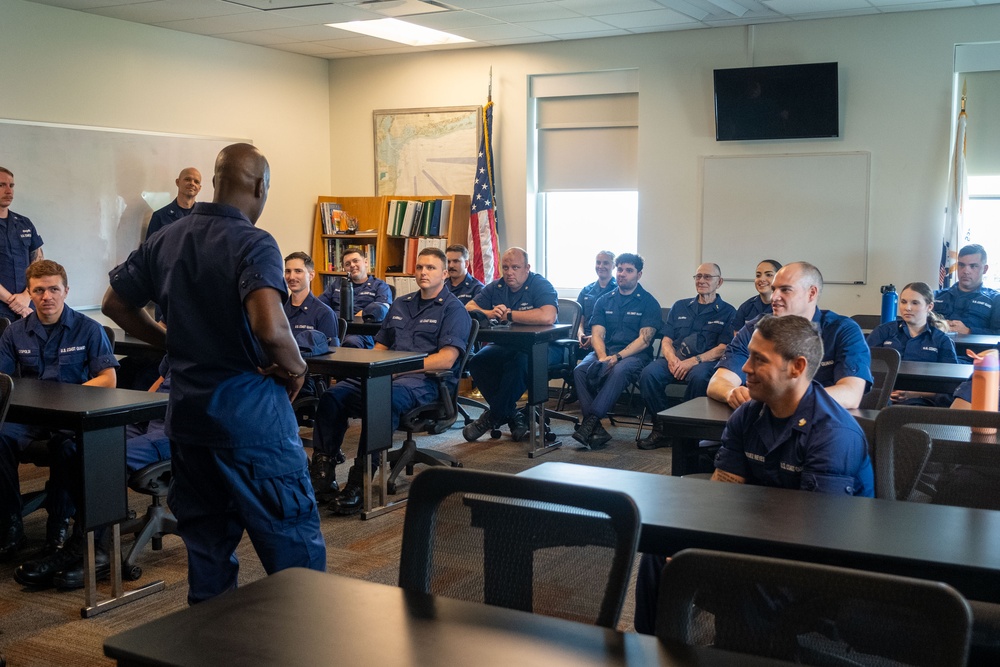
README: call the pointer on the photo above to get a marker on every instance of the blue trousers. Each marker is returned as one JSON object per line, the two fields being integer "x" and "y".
{"x": 598, "y": 386}
{"x": 656, "y": 376}
{"x": 501, "y": 373}
{"x": 343, "y": 401}
{"x": 145, "y": 444}
{"x": 14, "y": 438}
{"x": 216, "y": 493}
{"x": 360, "y": 342}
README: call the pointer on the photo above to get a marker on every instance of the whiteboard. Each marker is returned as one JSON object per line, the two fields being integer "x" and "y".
{"x": 811, "y": 207}
{"x": 90, "y": 190}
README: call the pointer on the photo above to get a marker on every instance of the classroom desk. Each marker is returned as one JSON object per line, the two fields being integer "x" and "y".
{"x": 303, "y": 618}
{"x": 375, "y": 369}
{"x": 974, "y": 342}
{"x": 931, "y": 376}
{"x": 704, "y": 419}
{"x": 533, "y": 339}
{"x": 127, "y": 344}
{"x": 955, "y": 545}
{"x": 359, "y": 327}
{"x": 98, "y": 416}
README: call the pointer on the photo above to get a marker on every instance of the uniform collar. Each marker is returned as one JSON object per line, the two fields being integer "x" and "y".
{"x": 801, "y": 420}
{"x": 223, "y": 210}
{"x": 66, "y": 321}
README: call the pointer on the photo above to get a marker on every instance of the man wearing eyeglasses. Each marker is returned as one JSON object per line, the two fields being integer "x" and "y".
{"x": 694, "y": 337}
{"x": 57, "y": 344}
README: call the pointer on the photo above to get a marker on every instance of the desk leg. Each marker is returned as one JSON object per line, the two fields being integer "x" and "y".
{"x": 538, "y": 394}
{"x": 376, "y": 394}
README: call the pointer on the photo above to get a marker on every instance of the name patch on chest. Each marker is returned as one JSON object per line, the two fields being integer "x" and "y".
{"x": 67, "y": 350}
{"x": 428, "y": 320}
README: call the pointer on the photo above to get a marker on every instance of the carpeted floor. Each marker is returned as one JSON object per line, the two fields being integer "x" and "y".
{"x": 39, "y": 628}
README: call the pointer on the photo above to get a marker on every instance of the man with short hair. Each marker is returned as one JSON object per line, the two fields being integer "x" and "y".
{"x": 845, "y": 371}
{"x": 57, "y": 344}
{"x": 501, "y": 372}
{"x": 968, "y": 306}
{"x": 430, "y": 320}
{"x": 694, "y": 336}
{"x": 624, "y": 323}
{"x": 791, "y": 434}
{"x": 188, "y": 184}
{"x": 238, "y": 462}
{"x": 461, "y": 283}
{"x": 20, "y": 245}
{"x": 589, "y": 295}
{"x": 371, "y": 296}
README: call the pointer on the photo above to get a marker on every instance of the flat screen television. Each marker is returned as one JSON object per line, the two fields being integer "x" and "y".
{"x": 782, "y": 102}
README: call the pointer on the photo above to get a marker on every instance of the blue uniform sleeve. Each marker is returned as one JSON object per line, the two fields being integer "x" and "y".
{"x": 731, "y": 457}
{"x": 101, "y": 354}
{"x": 737, "y": 352}
{"x": 880, "y": 334}
{"x": 964, "y": 391}
{"x": 670, "y": 326}
{"x": 836, "y": 461}
{"x": 652, "y": 316}
{"x": 384, "y": 294}
{"x": 485, "y": 297}
{"x": 455, "y": 327}
{"x": 946, "y": 348}
{"x": 331, "y": 296}
{"x": 262, "y": 267}
{"x": 942, "y": 303}
{"x": 854, "y": 358}
{"x": 326, "y": 321}
{"x": 599, "y": 317}
{"x": 545, "y": 294}
{"x": 994, "y": 327}
{"x": 8, "y": 353}
{"x": 477, "y": 287}
{"x": 131, "y": 280}
{"x": 36, "y": 240}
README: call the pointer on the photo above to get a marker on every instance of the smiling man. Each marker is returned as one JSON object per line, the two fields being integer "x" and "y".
{"x": 371, "y": 296}
{"x": 968, "y": 306}
{"x": 431, "y": 320}
{"x": 188, "y": 186}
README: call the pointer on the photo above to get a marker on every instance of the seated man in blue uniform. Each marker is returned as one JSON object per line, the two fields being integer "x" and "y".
{"x": 624, "y": 323}
{"x": 603, "y": 265}
{"x": 790, "y": 435}
{"x": 694, "y": 336}
{"x": 501, "y": 372}
{"x": 461, "y": 283}
{"x": 845, "y": 371}
{"x": 371, "y": 297}
{"x": 20, "y": 247}
{"x": 57, "y": 344}
{"x": 968, "y": 306}
{"x": 238, "y": 463}
{"x": 432, "y": 321}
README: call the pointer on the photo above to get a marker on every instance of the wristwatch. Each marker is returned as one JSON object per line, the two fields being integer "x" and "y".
{"x": 618, "y": 356}
{"x": 697, "y": 358}
{"x": 296, "y": 376}
{"x": 510, "y": 316}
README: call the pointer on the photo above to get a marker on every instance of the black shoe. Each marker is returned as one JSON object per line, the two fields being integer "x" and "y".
{"x": 582, "y": 433}
{"x": 339, "y": 456}
{"x": 322, "y": 474}
{"x": 482, "y": 425}
{"x": 348, "y": 501}
{"x": 40, "y": 572}
{"x": 656, "y": 439}
{"x": 56, "y": 534}
{"x": 519, "y": 428}
{"x": 12, "y": 537}
{"x": 599, "y": 437}
{"x": 72, "y": 578}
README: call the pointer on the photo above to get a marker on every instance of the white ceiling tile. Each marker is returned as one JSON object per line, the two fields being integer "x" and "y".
{"x": 814, "y": 7}
{"x": 660, "y": 17}
{"x": 523, "y": 13}
{"x": 159, "y": 11}
{"x": 83, "y": 5}
{"x": 495, "y": 32}
{"x": 259, "y": 37}
{"x": 220, "y": 25}
{"x": 566, "y": 27}
{"x": 603, "y": 7}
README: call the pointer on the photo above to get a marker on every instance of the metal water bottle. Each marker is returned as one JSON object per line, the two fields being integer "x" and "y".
{"x": 346, "y": 299}
{"x": 985, "y": 384}
{"x": 890, "y": 301}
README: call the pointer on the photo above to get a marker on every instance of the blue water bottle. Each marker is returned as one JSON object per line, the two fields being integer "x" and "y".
{"x": 889, "y": 303}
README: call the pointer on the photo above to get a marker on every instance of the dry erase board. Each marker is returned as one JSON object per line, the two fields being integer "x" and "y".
{"x": 811, "y": 207}
{"x": 90, "y": 191}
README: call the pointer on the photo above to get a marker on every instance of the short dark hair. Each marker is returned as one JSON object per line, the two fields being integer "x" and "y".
{"x": 971, "y": 249}
{"x": 306, "y": 259}
{"x": 630, "y": 258}
{"x": 458, "y": 247}
{"x": 7, "y": 171}
{"x": 352, "y": 250}
{"x": 436, "y": 252}
{"x": 773, "y": 262}
{"x": 44, "y": 268}
{"x": 793, "y": 337}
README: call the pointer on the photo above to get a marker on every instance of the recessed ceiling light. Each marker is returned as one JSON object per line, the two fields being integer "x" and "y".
{"x": 400, "y": 31}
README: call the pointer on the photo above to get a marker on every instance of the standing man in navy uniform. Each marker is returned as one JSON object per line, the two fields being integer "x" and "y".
{"x": 694, "y": 336}
{"x": 790, "y": 435}
{"x": 969, "y": 307}
{"x": 624, "y": 324}
{"x": 238, "y": 462}
{"x": 461, "y": 283}
{"x": 432, "y": 321}
{"x": 589, "y": 295}
{"x": 371, "y": 297}
{"x": 845, "y": 371}
{"x": 20, "y": 245}
{"x": 501, "y": 372}
{"x": 188, "y": 186}
{"x": 58, "y": 344}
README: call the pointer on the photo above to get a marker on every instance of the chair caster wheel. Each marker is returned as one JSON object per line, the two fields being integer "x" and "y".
{"x": 132, "y": 573}
{"x": 495, "y": 434}
{"x": 550, "y": 436}
{"x": 456, "y": 464}
{"x": 391, "y": 488}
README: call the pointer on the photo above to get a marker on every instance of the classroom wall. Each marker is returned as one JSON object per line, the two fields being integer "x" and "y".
{"x": 896, "y": 93}
{"x": 62, "y": 66}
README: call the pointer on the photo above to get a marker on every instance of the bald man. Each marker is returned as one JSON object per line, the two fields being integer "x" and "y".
{"x": 238, "y": 462}
{"x": 188, "y": 186}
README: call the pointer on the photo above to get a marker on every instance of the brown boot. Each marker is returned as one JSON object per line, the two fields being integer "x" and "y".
{"x": 657, "y": 438}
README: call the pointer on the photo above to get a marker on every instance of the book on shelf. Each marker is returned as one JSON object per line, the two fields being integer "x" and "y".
{"x": 332, "y": 217}
{"x": 403, "y": 284}
{"x": 410, "y": 217}
{"x": 335, "y": 248}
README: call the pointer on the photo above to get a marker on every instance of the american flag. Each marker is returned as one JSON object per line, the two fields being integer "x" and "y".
{"x": 954, "y": 219}
{"x": 483, "y": 243}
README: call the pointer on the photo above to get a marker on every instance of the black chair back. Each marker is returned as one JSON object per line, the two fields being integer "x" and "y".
{"x": 545, "y": 547}
{"x": 885, "y": 366}
{"x": 110, "y": 333}
{"x": 810, "y": 614}
{"x": 867, "y": 322}
{"x": 6, "y": 389}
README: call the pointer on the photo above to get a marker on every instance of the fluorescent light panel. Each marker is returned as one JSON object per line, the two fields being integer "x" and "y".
{"x": 400, "y": 31}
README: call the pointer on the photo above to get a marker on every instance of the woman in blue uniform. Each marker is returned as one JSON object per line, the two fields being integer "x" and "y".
{"x": 919, "y": 334}
{"x": 758, "y": 305}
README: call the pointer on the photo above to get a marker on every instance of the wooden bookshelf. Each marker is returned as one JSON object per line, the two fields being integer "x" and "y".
{"x": 372, "y": 213}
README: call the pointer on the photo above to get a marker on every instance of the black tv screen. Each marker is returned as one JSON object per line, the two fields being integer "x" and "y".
{"x": 783, "y": 102}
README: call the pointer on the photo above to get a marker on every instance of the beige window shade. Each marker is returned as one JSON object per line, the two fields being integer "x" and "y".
{"x": 983, "y": 128}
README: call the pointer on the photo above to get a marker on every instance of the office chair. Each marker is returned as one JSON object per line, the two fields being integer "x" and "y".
{"x": 885, "y": 366}
{"x": 434, "y": 418}
{"x": 811, "y": 614}
{"x": 570, "y": 312}
{"x": 544, "y": 547}
{"x": 152, "y": 480}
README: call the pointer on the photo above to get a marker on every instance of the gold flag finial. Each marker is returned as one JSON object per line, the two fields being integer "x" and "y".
{"x": 965, "y": 85}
